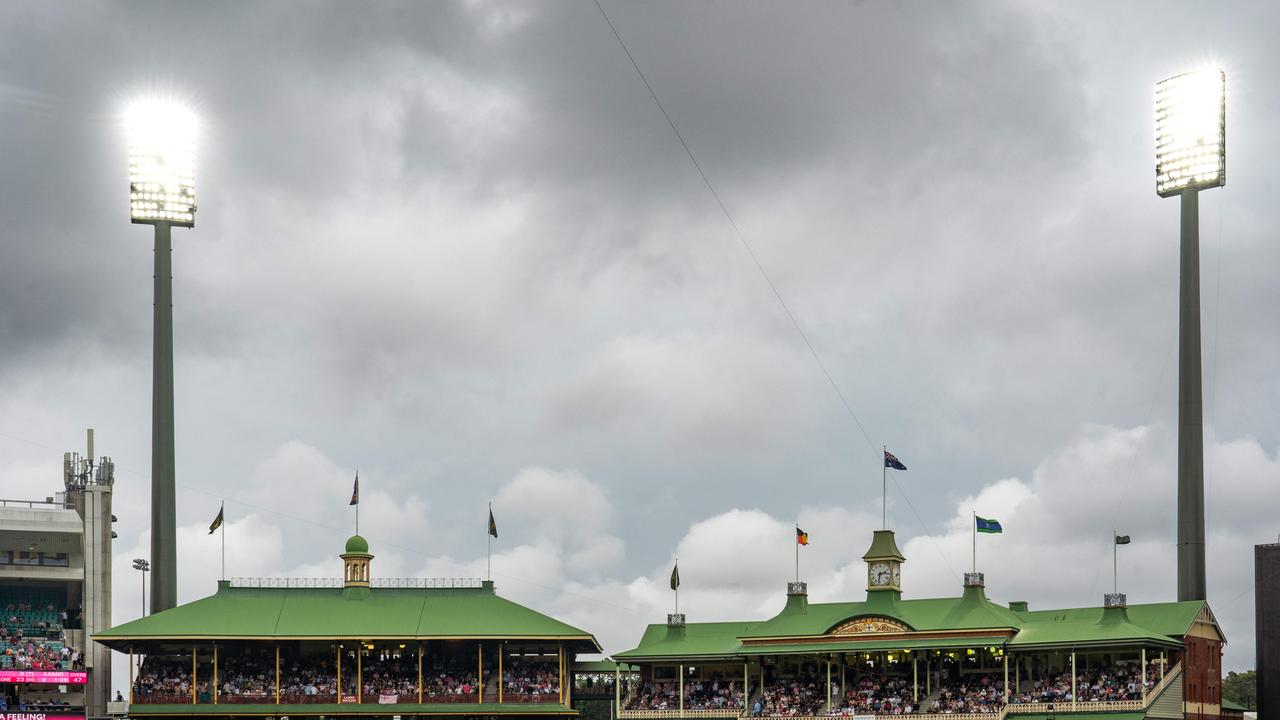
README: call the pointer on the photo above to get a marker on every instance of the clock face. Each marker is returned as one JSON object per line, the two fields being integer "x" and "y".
{"x": 897, "y": 576}
{"x": 879, "y": 573}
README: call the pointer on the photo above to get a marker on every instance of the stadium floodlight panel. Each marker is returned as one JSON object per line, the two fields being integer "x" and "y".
{"x": 1191, "y": 131}
{"x": 162, "y": 163}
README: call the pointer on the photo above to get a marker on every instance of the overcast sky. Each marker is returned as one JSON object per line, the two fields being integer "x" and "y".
{"x": 456, "y": 246}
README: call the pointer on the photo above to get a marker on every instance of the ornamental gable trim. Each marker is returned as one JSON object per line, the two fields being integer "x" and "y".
{"x": 869, "y": 625}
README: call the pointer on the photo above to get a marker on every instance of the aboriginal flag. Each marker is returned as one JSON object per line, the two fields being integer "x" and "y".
{"x": 802, "y": 537}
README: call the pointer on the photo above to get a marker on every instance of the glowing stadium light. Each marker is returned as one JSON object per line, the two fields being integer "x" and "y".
{"x": 162, "y": 194}
{"x": 1191, "y": 155}
{"x": 1191, "y": 131}
{"x": 162, "y": 163}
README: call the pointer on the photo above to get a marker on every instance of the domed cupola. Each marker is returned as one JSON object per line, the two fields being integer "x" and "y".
{"x": 355, "y": 563}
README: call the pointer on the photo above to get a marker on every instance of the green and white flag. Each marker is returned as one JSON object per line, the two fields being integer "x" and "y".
{"x": 987, "y": 525}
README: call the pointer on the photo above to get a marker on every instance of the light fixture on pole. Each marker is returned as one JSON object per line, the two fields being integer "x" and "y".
{"x": 143, "y": 567}
{"x": 162, "y": 157}
{"x": 1191, "y": 155}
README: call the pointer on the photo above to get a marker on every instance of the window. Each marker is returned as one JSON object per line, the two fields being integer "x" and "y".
{"x": 56, "y": 560}
{"x": 6, "y": 557}
{"x": 27, "y": 558}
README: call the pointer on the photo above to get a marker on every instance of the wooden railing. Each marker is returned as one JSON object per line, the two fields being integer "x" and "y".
{"x": 677, "y": 713}
{"x": 1169, "y": 676}
{"x": 1068, "y": 706}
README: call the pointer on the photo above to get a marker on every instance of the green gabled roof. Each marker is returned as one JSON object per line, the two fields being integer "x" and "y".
{"x": 969, "y": 612}
{"x": 602, "y": 666}
{"x": 1085, "y": 631}
{"x": 718, "y": 639}
{"x": 1157, "y": 622}
{"x": 326, "y": 613}
{"x": 1228, "y": 704}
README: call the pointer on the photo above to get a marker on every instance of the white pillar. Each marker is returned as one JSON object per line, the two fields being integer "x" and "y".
{"x": 1006, "y": 678}
{"x": 681, "y": 689}
{"x": 1144, "y": 675}
{"x": 828, "y": 702}
{"x": 1074, "y": 699}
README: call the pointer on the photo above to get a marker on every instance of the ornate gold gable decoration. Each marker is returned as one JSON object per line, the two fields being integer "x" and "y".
{"x": 869, "y": 626}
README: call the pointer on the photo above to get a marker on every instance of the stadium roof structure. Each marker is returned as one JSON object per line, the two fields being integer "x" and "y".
{"x": 291, "y": 613}
{"x": 358, "y": 609}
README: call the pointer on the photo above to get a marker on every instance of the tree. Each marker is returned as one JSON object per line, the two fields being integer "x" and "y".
{"x": 1241, "y": 688}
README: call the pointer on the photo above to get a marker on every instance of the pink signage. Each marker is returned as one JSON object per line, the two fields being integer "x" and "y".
{"x": 38, "y": 716}
{"x": 53, "y": 677}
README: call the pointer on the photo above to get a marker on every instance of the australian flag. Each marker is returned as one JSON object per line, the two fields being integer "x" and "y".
{"x": 892, "y": 462}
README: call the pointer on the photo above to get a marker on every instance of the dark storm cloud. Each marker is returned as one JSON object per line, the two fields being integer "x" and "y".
{"x": 445, "y": 241}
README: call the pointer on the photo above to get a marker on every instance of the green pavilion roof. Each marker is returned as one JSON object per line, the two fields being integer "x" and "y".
{"x": 602, "y": 666}
{"x": 970, "y": 620}
{"x": 263, "y": 613}
{"x": 692, "y": 640}
{"x": 969, "y": 612}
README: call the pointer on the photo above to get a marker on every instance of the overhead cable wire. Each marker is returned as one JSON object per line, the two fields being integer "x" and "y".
{"x": 795, "y": 322}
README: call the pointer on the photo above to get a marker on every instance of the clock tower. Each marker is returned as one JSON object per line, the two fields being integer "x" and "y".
{"x": 884, "y": 565}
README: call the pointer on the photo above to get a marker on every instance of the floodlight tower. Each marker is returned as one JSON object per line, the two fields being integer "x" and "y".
{"x": 162, "y": 193}
{"x": 1191, "y": 155}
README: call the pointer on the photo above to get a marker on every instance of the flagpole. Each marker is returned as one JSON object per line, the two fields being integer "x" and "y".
{"x": 797, "y": 540}
{"x": 677, "y": 588}
{"x": 488, "y": 561}
{"x": 884, "y": 488}
{"x": 223, "y": 528}
{"x": 974, "y": 528}
{"x": 1115, "y": 582}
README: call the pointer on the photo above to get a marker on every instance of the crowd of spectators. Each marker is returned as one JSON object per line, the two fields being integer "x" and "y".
{"x": 247, "y": 678}
{"x": 656, "y": 696}
{"x": 1120, "y": 682}
{"x": 447, "y": 680}
{"x": 390, "y": 675}
{"x": 879, "y": 696}
{"x": 529, "y": 679}
{"x": 970, "y": 694}
{"x": 799, "y": 696}
{"x": 162, "y": 680}
{"x": 33, "y": 638}
{"x": 315, "y": 681}
{"x": 712, "y": 695}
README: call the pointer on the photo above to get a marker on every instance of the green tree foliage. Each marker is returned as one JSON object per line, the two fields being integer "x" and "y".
{"x": 1241, "y": 688}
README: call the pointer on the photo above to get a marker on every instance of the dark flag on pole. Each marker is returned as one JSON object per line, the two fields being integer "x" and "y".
{"x": 892, "y": 462}
{"x": 675, "y": 576}
{"x": 355, "y": 491}
{"x": 802, "y": 537}
{"x": 217, "y": 522}
{"x": 1122, "y": 539}
{"x": 493, "y": 526}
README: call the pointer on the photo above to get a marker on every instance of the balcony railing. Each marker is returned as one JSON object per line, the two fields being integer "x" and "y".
{"x": 286, "y": 583}
{"x": 267, "y": 698}
{"x": 655, "y": 714}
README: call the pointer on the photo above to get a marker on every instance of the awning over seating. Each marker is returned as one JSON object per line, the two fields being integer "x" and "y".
{"x": 872, "y": 645}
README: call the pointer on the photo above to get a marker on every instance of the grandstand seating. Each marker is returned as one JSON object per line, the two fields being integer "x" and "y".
{"x": 31, "y": 631}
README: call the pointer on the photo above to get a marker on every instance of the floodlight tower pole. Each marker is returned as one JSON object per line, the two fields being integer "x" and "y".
{"x": 1191, "y": 572}
{"x": 164, "y": 584}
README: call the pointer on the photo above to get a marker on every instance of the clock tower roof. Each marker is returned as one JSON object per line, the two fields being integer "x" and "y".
{"x": 884, "y": 547}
